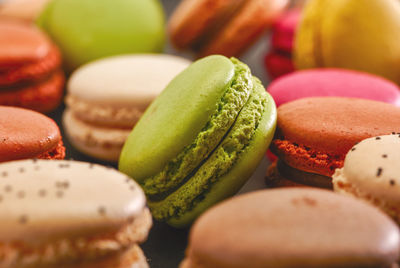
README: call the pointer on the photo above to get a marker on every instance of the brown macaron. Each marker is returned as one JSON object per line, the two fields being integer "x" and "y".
{"x": 69, "y": 214}
{"x": 224, "y": 27}
{"x": 314, "y": 135}
{"x": 285, "y": 228}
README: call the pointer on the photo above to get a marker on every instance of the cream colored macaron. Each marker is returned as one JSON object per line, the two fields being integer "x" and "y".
{"x": 59, "y": 213}
{"x": 372, "y": 172}
{"x": 107, "y": 97}
{"x": 27, "y": 10}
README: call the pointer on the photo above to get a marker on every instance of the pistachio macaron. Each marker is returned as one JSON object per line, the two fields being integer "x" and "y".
{"x": 106, "y": 98}
{"x": 371, "y": 172}
{"x": 201, "y": 139}
{"x": 51, "y": 215}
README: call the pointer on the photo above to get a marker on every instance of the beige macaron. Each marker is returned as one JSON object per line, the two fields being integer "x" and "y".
{"x": 372, "y": 172}
{"x": 70, "y": 214}
{"x": 26, "y": 10}
{"x": 107, "y": 97}
{"x": 293, "y": 227}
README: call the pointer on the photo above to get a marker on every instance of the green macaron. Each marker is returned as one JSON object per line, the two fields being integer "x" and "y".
{"x": 201, "y": 139}
{"x": 86, "y": 30}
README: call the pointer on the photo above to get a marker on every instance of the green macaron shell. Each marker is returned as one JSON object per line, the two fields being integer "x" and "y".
{"x": 185, "y": 123}
{"x": 222, "y": 160}
{"x": 86, "y": 30}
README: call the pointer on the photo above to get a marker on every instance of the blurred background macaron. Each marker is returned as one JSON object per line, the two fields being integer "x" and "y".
{"x": 285, "y": 228}
{"x": 70, "y": 214}
{"x": 201, "y": 139}
{"x": 30, "y": 74}
{"x": 28, "y": 134}
{"x": 24, "y": 10}
{"x": 325, "y": 82}
{"x": 315, "y": 134}
{"x": 343, "y": 34}
{"x": 221, "y": 27}
{"x": 371, "y": 172}
{"x": 106, "y": 98}
{"x": 86, "y": 30}
{"x": 279, "y": 59}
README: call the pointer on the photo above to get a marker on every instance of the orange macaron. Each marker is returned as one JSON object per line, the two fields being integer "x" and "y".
{"x": 315, "y": 134}
{"x": 28, "y": 134}
{"x": 30, "y": 67}
{"x": 224, "y": 27}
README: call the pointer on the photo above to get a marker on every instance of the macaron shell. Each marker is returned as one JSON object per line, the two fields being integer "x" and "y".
{"x": 333, "y": 82}
{"x": 27, "y": 10}
{"x": 42, "y": 97}
{"x": 335, "y": 124}
{"x": 378, "y": 36}
{"x": 278, "y": 64}
{"x": 99, "y": 142}
{"x": 88, "y": 30}
{"x": 319, "y": 229}
{"x": 127, "y": 80}
{"x": 231, "y": 182}
{"x": 371, "y": 167}
{"x": 246, "y": 26}
{"x": 284, "y": 30}
{"x": 34, "y": 191}
{"x": 163, "y": 131}
{"x": 21, "y": 43}
{"x": 25, "y": 134}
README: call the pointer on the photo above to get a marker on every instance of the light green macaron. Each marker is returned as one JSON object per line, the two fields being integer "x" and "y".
{"x": 201, "y": 139}
{"x": 86, "y": 30}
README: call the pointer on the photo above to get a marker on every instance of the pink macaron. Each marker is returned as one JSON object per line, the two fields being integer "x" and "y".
{"x": 333, "y": 82}
{"x": 278, "y": 61}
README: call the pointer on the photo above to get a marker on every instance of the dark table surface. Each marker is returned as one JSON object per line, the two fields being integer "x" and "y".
{"x": 165, "y": 245}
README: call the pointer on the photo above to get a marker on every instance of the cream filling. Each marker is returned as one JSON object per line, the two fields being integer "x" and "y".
{"x": 103, "y": 114}
{"x": 17, "y": 254}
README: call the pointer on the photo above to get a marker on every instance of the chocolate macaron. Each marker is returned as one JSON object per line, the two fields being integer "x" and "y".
{"x": 315, "y": 134}
{"x": 286, "y": 228}
{"x": 28, "y": 134}
{"x": 70, "y": 214}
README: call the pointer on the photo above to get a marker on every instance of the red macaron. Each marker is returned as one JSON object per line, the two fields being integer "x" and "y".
{"x": 314, "y": 135}
{"x": 28, "y": 134}
{"x": 30, "y": 68}
{"x": 279, "y": 61}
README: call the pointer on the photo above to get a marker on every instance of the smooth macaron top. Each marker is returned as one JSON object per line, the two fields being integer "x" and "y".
{"x": 21, "y": 43}
{"x": 127, "y": 80}
{"x": 46, "y": 201}
{"x": 293, "y": 228}
{"x": 333, "y": 82}
{"x": 180, "y": 114}
{"x": 25, "y": 133}
{"x": 87, "y": 30}
{"x": 333, "y": 124}
{"x": 372, "y": 167}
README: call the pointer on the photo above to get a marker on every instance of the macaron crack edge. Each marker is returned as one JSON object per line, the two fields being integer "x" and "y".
{"x": 230, "y": 105}
{"x": 218, "y": 164}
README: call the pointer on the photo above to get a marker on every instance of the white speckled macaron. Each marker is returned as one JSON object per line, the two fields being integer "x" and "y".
{"x": 70, "y": 214}
{"x": 106, "y": 98}
{"x": 372, "y": 172}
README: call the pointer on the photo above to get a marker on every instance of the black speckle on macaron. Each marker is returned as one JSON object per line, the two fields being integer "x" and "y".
{"x": 21, "y": 194}
{"x": 23, "y": 219}
{"x": 8, "y": 188}
{"x": 377, "y": 138}
{"x": 4, "y": 174}
{"x": 102, "y": 211}
{"x": 59, "y": 194}
{"x": 379, "y": 172}
{"x": 392, "y": 182}
{"x": 384, "y": 156}
{"x": 353, "y": 149}
{"x": 63, "y": 165}
{"x": 91, "y": 165}
{"x": 21, "y": 170}
{"x": 42, "y": 192}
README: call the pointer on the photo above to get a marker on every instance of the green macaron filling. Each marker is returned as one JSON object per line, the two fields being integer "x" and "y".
{"x": 176, "y": 170}
{"x": 222, "y": 159}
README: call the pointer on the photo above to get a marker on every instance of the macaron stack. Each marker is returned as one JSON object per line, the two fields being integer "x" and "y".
{"x": 30, "y": 74}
